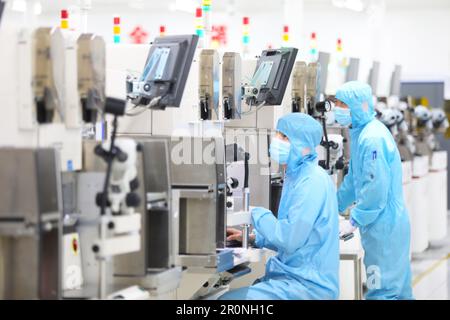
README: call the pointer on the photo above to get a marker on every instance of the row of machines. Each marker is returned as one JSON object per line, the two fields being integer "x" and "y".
{"x": 135, "y": 159}
{"x": 218, "y": 170}
{"x": 52, "y": 94}
{"x": 415, "y": 129}
{"x": 237, "y": 102}
{"x": 77, "y": 233}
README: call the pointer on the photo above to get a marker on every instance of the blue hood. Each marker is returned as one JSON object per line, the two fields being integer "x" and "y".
{"x": 303, "y": 132}
{"x": 358, "y": 97}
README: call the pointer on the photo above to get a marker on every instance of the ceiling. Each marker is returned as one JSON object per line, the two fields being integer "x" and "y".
{"x": 50, "y": 6}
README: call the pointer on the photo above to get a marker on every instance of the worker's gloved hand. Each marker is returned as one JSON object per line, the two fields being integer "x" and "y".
{"x": 346, "y": 228}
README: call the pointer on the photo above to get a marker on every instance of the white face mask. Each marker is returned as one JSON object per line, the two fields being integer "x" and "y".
{"x": 279, "y": 150}
{"x": 342, "y": 116}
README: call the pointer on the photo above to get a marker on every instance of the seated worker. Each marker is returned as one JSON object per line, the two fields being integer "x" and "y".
{"x": 306, "y": 233}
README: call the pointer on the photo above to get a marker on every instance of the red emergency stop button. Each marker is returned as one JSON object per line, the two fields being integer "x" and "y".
{"x": 75, "y": 245}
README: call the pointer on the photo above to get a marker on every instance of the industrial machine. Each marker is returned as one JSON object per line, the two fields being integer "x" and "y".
{"x": 46, "y": 99}
{"x": 155, "y": 267}
{"x": 299, "y": 76}
{"x": 271, "y": 77}
{"x": 422, "y": 130}
{"x": 64, "y": 68}
{"x": 119, "y": 226}
{"x": 209, "y": 85}
{"x": 45, "y": 92}
{"x": 30, "y": 224}
{"x": 151, "y": 265}
{"x": 162, "y": 82}
{"x": 393, "y": 113}
{"x": 231, "y": 85}
{"x": 185, "y": 221}
{"x": 91, "y": 75}
{"x": 414, "y": 128}
{"x": 429, "y": 170}
{"x": 306, "y": 98}
{"x": 238, "y": 193}
{"x": 437, "y": 222}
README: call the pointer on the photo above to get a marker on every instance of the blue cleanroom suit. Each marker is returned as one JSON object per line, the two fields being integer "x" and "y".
{"x": 306, "y": 233}
{"x": 374, "y": 183}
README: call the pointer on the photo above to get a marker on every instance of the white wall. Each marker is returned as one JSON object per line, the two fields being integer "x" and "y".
{"x": 420, "y": 41}
{"x": 417, "y": 38}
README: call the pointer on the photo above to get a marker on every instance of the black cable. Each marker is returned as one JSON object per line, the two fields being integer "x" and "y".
{"x": 327, "y": 144}
{"x": 246, "y": 169}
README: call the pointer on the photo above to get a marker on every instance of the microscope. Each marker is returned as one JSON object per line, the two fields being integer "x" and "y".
{"x": 388, "y": 117}
{"x": 119, "y": 230}
{"x": 424, "y": 130}
{"x": 121, "y": 197}
{"x": 393, "y": 115}
{"x": 440, "y": 124}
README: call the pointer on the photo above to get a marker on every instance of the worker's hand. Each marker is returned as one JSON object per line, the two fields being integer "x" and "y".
{"x": 234, "y": 234}
{"x": 346, "y": 228}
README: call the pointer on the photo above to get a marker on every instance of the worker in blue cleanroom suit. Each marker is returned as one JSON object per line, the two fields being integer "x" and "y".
{"x": 306, "y": 233}
{"x": 374, "y": 184}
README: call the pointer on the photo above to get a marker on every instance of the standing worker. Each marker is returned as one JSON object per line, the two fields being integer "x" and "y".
{"x": 374, "y": 184}
{"x": 306, "y": 233}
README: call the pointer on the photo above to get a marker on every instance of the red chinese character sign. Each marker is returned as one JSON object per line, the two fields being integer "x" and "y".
{"x": 139, "y": 35}
{"x": 219, "y": 36}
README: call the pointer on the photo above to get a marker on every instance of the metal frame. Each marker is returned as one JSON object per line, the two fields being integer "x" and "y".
{"x": 357, "y": 264}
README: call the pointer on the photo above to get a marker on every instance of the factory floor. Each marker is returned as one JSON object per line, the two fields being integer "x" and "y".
{"x": 431, "y": 271}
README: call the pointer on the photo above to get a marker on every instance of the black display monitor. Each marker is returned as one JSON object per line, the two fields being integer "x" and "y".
{"x": 165, "y": 72}
{"x": 271, "y": 77}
